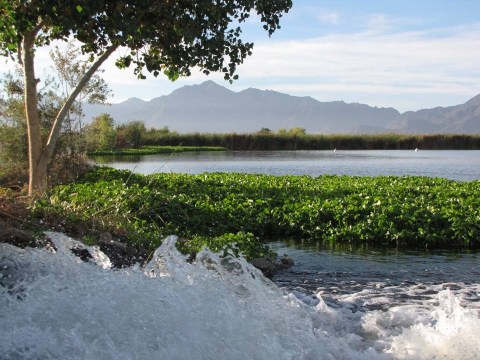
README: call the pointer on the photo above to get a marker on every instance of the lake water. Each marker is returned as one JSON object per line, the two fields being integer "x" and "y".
{"x": 406, "y": 305}
{"x": 332, "y": 304}
{"x": 458, "y": 165}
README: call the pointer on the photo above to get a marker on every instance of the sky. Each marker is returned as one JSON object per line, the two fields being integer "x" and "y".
{"x": 406, "y": 54}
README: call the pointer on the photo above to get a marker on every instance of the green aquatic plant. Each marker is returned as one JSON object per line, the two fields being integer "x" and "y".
{"x": 415, "y": 212}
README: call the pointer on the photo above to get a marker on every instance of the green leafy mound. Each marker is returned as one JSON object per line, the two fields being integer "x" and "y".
{"x": 218, "y": 209}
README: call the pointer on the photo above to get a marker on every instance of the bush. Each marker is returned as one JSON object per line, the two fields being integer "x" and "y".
{"x": 13, "y": 156}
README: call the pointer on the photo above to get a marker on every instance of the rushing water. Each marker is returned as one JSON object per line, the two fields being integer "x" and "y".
{"x": 369, "y": 280}
{"x": 54, "y": 306}
{"x": 457, "y": 165}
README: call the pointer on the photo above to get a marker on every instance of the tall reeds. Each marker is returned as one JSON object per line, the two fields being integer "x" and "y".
{"x": 275, "y": 141}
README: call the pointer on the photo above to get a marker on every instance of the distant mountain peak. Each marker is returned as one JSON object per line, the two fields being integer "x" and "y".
{"x": 204, "y": 89}
{"x": 209, "y": 83}
{"x": 475, "y": 101}
{"x": 210, "y": 107}
{"x": 134, "y": 100}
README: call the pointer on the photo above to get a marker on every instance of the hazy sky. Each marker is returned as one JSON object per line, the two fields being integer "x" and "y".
{"x": 408, "y": 54}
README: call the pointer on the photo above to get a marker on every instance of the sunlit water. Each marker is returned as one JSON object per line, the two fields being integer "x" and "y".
{"x": 456, "y": 165}
{"x": 54, "y": 306}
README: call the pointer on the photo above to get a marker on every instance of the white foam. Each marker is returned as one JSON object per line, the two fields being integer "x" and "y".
{"x": 448, "y": 332}
{"x": 55, "y": 306}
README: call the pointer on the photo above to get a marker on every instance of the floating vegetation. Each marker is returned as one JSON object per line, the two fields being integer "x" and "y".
{"x": 219, "y": 209}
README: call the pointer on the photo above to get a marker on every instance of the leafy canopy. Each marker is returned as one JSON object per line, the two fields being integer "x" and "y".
{"x": 161, "y": 35}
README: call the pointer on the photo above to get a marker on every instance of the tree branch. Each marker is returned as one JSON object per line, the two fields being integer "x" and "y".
{"x": 57, "y": 125}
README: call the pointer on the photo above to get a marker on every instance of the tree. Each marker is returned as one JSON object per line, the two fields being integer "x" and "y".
{"x": 68, "y": 68}
{"x": 13, "y": 131}
{"x": 264, "y": 131}
{"x": 13, "y": 144}
{"x": 131, "y": 135}
{"x": 160, "y": 36}
{"x": 101, "y": 133}
{"x": 296, "y": 131}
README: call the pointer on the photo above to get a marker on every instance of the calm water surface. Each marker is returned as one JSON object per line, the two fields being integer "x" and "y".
{"x": 457, "y": 165}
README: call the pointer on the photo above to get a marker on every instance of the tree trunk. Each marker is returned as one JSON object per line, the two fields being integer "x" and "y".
{"x": 37, "y": 170}
{"x": 40, "y": 155}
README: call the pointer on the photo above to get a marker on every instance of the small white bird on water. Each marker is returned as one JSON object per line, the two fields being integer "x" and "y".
{"x": 416, "y": 149}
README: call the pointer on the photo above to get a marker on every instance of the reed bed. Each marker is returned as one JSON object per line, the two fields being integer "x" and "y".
{"x": 274, "y": 141}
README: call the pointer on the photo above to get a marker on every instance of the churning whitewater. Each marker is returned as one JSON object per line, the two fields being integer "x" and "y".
{"x": 55, "y": 306}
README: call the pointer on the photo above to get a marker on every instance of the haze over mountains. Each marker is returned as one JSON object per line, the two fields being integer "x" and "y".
{"x": 209, "y": 107}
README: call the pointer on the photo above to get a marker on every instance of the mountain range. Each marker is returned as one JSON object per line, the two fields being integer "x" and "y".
{"x": 210, "y": 107}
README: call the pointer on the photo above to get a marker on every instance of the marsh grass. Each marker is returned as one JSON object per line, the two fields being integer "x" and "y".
{"x": 276, "y": 141}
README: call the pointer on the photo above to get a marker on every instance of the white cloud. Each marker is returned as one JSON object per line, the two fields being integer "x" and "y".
{"x": 328, "y": 17}
{"x": 378, "y": 22}
{"x": 441, "y": 61}
{"x": 407, "y": 70}
{"x": 382, "y": 23}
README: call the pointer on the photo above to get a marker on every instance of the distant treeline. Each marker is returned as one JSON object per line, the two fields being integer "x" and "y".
{"x": 295, "y": 141}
